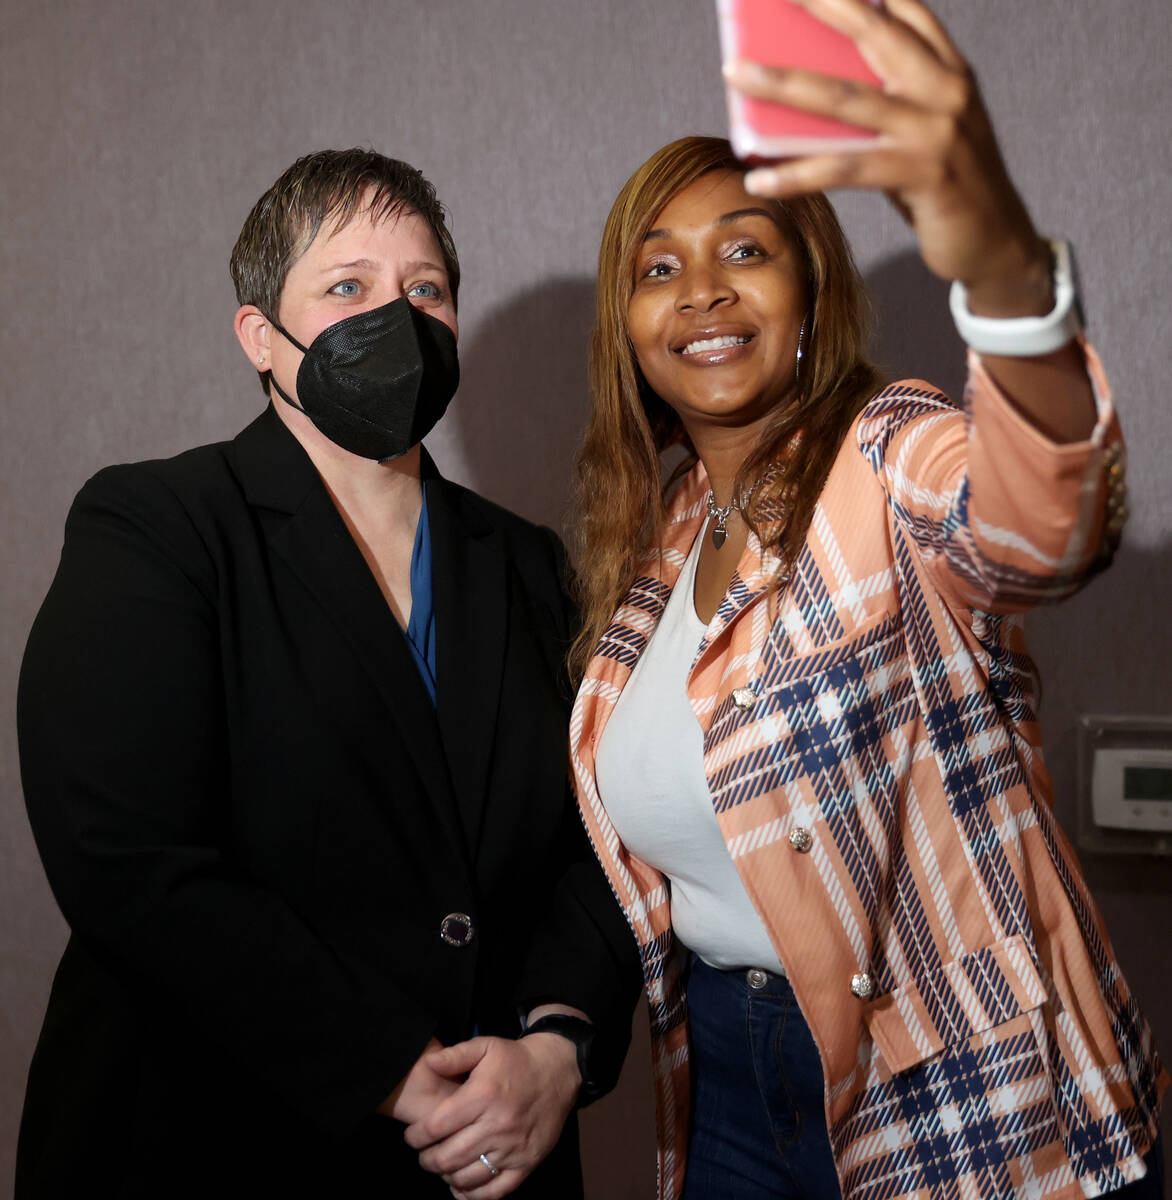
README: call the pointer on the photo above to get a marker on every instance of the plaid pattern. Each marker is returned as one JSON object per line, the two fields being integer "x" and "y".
{"x": 1002, "y": 1054}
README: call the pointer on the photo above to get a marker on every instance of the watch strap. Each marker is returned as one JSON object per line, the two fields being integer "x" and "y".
{"x": 1024, "y": 337}
{"x": 581, "y": 1033}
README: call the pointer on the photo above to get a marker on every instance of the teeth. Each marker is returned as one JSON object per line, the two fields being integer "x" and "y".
{"x": 716, "y": 343}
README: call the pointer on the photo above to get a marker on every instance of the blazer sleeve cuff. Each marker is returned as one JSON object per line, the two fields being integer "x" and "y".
{"x": 991, "y": 409}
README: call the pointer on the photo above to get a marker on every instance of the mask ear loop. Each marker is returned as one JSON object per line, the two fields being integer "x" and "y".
{"x": 287, "y": 335}
{"x": 272, "y": 375}
{"x": 800, "y": 353}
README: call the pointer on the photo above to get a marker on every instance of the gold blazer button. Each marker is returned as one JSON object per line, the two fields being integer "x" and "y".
{"x": 744, "y": 698}
{"x": 800, "y": 840}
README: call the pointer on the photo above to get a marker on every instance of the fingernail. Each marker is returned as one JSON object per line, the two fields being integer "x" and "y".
{"x": 760, "y": 180}
{"x": 745, "y": 74}
{"x": 736, "y": 71}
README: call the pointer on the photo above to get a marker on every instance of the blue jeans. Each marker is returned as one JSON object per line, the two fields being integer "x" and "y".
{"x": 758, "y": 1125}
{"x": 758, "y": 1122}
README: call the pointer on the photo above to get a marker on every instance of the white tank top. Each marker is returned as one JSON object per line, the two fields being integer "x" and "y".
{"x": 650, "y": 771}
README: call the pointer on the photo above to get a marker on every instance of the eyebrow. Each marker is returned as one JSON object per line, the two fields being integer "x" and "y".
{"x": 423, "y": 265}
{"x": 366, "y": 264}
{"x": 362, "y": 264}
{"x": 727, "y": 219}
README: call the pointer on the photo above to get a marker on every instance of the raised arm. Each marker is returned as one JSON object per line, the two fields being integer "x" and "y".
{"x": 938, "y": 162}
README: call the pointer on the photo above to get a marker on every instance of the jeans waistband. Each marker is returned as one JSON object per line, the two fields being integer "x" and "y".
{"x": 757, "y": 981}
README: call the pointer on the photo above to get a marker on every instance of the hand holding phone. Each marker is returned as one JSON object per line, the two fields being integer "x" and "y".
{"x": 932, "y": 150}
{"x": 781, "y": 33}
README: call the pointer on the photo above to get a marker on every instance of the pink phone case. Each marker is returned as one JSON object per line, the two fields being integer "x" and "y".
{"x": 782, "y": 34}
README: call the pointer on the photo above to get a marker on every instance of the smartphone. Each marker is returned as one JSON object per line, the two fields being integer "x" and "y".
{"x": 779, "y": 33}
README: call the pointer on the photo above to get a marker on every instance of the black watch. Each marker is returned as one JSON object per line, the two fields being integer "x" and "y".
{"x": 581, "y": 1033}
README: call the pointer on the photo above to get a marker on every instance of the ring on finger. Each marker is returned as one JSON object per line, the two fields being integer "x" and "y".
{"x": 493, "y": 1171}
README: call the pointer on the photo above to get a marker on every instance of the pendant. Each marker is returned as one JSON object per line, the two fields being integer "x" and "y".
{"x": 719, "y": 518}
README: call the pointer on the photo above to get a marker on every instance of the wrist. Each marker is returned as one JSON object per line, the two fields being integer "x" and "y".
{"x": 1018, "y": 283}
{"x": 577, "y": 1037}
{"x": 1012, "y": 334}
{"x": 552, "y": 1009}
{"x": 558, "y": 1059}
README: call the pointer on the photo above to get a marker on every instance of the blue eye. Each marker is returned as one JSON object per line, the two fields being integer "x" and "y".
{"x": 425, "y": 291}
{"x": 348, "y": 287}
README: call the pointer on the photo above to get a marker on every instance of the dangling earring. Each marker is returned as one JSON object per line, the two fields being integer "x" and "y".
{"x": 798, "y": 359}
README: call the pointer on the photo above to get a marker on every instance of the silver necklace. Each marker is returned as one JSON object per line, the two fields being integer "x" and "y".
{"x": 720, "y": 518}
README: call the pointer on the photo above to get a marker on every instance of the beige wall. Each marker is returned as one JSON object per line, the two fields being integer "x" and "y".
{"x": 137, "y": 133}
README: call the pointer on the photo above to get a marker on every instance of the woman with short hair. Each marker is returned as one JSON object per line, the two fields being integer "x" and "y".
{"x": 292, "y": 731}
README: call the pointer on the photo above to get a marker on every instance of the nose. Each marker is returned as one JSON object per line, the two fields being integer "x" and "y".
{"x": 703, "y": 289}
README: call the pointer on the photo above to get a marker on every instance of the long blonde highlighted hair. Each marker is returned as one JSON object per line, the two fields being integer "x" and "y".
{"x": 620, "y": 500}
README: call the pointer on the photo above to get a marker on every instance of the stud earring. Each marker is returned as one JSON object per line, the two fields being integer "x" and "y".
{"x": 260, "y": 358}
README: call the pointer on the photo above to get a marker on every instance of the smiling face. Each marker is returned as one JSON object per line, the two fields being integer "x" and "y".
{"x": 719, "y": 297}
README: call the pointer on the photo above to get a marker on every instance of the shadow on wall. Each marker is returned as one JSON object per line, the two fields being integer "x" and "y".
{"x": 914, "y": 335}
{"x": 524, "y": 397}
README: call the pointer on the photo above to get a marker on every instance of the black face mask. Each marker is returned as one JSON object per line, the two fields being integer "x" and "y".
{"x": 377, "y": 382}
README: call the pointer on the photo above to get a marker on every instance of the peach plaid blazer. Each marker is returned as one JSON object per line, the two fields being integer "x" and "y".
{"x": 892, "y": 716}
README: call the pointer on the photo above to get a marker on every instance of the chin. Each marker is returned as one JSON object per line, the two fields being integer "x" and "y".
{"x": 730, "y": 410}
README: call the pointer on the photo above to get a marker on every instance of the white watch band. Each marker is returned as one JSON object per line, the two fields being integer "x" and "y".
{"x": 1023, "y": 337}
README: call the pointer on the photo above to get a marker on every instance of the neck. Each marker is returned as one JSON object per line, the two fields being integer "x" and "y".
{"x": 366, "y": 492}
{"x": 723, "y": 450}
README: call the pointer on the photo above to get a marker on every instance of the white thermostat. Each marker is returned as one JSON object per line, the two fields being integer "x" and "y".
{"x": 1125, "y": 784}
{"x": 1132, "y": 789}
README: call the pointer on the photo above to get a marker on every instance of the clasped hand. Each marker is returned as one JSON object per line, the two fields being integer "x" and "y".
{"x": 511, "y": 1106}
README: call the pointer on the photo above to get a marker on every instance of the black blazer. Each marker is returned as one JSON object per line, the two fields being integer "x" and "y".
{"x": 256, "y": 823}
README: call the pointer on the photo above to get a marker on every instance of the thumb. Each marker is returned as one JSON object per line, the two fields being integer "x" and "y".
{"x": 458, "y": 1059}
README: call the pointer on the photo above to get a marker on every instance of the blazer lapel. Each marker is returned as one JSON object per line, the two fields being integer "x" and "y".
{"x": 469, "y": 589}
{"x": 315, "y": 543}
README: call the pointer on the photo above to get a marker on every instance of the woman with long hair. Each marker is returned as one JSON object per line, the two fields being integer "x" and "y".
{"x": 805, "y": 740}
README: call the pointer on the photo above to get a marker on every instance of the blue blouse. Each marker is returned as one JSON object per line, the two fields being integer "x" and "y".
{"x": 421, "y": 627}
